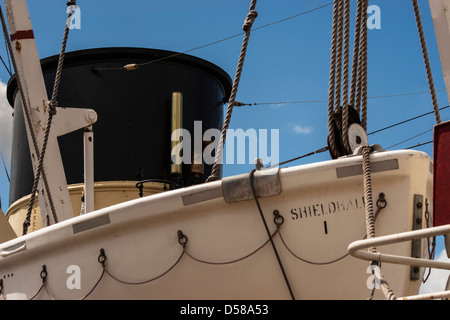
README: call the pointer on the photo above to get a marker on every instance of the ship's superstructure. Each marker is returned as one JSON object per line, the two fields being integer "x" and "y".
{"x": 102, "y": 207}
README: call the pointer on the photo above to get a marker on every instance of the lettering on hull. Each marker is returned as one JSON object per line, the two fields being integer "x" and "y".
{"x": 326, "y": 208}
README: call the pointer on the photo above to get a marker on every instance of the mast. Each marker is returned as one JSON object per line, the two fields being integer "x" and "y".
{"x": 440, "y": 11}
{"x": 29, "y": 74}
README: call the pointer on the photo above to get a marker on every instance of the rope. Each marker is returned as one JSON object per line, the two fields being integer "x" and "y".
{"x": 340, "y": 73}
{"x": 370, "y": 221}
{"x": 250, "y": 19}
{"x": 338, "y": 63}
{"x": 338, "y": 122}
{"x": 270, "y": 236}
{"x": 363, "y": 65}
{"x": 426, "y": 60}
{"x": 370, "y": 217}
{"x": 358, "y": 91}
{"x": 355, "y": 57}
{"x": 331, "y": 89}
{"x": 346, "y": 75}
{"x": 358, "y": 72}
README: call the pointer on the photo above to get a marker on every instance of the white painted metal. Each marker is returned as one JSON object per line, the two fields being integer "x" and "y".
{"x": 65, "y": 121}
{"x": 88, "y": 170}
{"x": 440, "y": 11}
{"x": 358, "y": 248}
{"x": 323, "y": 213}
{"x": 357, "y": 136}
{"x": 429, "y": 296}
{"x": 447, "y": 244}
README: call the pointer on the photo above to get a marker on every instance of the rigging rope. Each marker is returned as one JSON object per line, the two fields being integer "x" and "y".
{"x": 354, "y": 104}
{"x": 362, "y": 72}
{"x": 346, "y": 73}
{"x": 354, "y": 77}
{"x": 370, "y": 221}
{"x": 339, "y": 116}
{"x": 247, "y": 28}
{"x": 338, "y": 62}
{"x": 426, "y": 60}
{"x": 331, "y": 89}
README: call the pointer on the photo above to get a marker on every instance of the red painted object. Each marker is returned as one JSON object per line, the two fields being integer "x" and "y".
{"x": 441, "y": 174}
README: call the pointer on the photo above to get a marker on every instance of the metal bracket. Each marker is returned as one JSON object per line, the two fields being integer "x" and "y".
{"x": 376, "y": 148}
{"x": 237, "y": 188}
{"x": 447, "y": 244}
{"x": 416, "y": 245}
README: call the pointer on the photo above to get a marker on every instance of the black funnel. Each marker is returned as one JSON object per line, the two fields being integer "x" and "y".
{"x": 132, "y": 137}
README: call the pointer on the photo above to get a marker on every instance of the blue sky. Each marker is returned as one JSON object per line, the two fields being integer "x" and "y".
{"x": 287, "y": 61}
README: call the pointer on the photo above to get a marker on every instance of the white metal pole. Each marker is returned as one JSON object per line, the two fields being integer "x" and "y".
{"x": 28, "y": 69}
{"x": 429, "y": 296}
{"x": 88, "y": 169}
{"x": 359, "y": 248}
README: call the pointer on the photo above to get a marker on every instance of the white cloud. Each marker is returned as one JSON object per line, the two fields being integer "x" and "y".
{"x": 301, "y": 130}
{"x": 438, "y": 277}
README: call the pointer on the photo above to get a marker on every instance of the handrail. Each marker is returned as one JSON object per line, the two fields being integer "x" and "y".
{"x": 355, "y": 248}
{"x": 140, "y": 184}
{"x": 428, "y": 296}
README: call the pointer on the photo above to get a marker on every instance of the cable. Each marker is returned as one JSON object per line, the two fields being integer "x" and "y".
{"x": 300, "y": 157}
{"x": 419, "y": 145}
{"x": 418, "y": 135}
{"x": 405, "y": 121}
{"x": 4, "y": 165}
{"x": 10, "y": 74}
{"x": 269, "y": 234}
{"x": 323, "y": 101}
{"x": 379, "y": 130}
{"x": 219, "y": 41}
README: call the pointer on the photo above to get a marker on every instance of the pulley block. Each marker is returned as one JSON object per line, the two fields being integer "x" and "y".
{"x": 357, "y": 136}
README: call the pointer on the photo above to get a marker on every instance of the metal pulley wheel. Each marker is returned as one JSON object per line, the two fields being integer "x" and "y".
{"x": 357, "y": 136}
